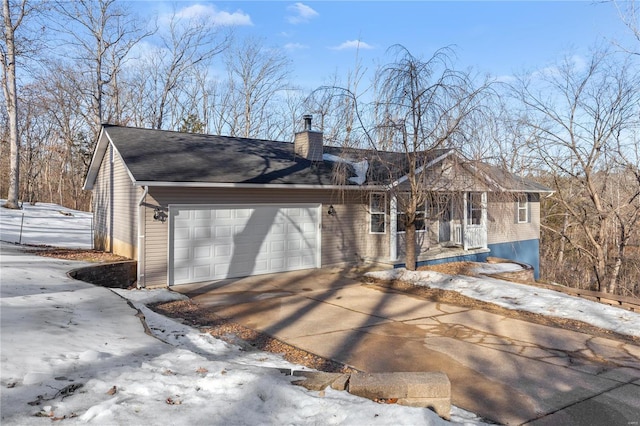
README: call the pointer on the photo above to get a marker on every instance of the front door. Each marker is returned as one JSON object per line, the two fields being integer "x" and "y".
{"x": 444, "y": 217}
{"x": 475, "y": 226}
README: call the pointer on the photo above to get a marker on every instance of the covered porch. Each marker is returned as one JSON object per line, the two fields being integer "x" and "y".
{"x": 453, "y": 227}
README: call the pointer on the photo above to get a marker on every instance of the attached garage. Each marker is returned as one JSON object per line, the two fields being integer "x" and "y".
{"x": 213, "y": 242}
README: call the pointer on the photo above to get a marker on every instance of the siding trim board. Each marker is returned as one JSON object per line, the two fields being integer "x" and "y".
{"x": 258, "y": 185}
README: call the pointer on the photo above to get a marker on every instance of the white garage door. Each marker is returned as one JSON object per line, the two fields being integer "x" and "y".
{"x": 217, "y": 242}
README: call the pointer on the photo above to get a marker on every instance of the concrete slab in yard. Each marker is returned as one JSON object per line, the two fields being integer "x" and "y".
{"x": 383, "y": 348}
{"x": 619, "y": 406}
{"x": 421, "y": 389}
{"x": 385, "y": 304}
{"x": 518, "y": 330}
{"x": 506, "y": 370}
{"x": 553, "y": 386}
{"x": 248, "y": 289}
{"x": 623, "y": 374}
{"x": 296, "y": 316}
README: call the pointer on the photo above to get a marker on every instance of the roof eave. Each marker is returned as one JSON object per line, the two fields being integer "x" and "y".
{"x": 96, "y": 160}
{"x": 166, "y": 184}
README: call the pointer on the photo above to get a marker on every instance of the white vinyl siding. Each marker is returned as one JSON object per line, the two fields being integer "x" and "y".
{"x": 115, "y": 207}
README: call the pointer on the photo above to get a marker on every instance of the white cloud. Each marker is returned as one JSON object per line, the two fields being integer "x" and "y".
{"x": 214, "y": 16}
{"x": 353, "y": 44}
{"x": 300, "y": 13}
{"x": 570, "y": 64}
{"x": 505, "y": 78}
{"x": 295, "y": 46}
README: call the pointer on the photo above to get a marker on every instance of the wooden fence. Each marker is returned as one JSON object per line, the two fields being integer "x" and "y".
{"x": 526, "y": 277}
{"x": 629, "y": 303}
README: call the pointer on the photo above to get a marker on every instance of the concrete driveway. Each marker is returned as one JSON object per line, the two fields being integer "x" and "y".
{"x": 505, "y": 370}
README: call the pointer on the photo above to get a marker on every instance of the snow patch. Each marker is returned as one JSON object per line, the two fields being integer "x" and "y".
{"x": 360, "y": 167}
{"x": 522, "y": 297}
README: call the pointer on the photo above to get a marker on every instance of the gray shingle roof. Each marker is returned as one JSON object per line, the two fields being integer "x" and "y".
{"x": 165, "y": 156}
{"x": 160, "y": 156}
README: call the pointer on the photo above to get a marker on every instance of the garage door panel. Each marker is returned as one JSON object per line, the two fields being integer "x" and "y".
{"x": 277, "y": 246}
{"x": 182, "y": 234}
{"x": 222, "y": 250}
{"x": 202, "y": 272}
{"x": 216, "y": 242}
{"x": 202, "y": 232}
{"x": 202, "y": 252}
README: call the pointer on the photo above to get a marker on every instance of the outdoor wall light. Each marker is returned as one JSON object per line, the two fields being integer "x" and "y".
{"x": 159, "y": 214}
{"x": 332, "y": 211}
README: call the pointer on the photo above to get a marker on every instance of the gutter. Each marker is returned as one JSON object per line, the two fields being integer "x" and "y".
{"x": 141, "y": 239}
{"x": 257, "y": 185}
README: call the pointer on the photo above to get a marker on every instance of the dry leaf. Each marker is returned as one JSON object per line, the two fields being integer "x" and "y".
{"x": 172, "y": 401}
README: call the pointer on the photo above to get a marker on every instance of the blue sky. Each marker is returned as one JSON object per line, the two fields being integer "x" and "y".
{"x": 499, "y": 38}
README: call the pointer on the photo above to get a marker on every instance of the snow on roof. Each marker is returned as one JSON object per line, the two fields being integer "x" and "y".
{"x": 360, "y": 167}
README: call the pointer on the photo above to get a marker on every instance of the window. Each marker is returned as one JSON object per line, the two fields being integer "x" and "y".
{"x": 474, "y": 208}
{"x": 377, "y": 213}
{"x": 523, "y": 208}
{"x": 421, "y": 223}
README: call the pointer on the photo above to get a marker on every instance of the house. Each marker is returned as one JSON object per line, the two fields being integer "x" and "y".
{"x": 193, "y": 208}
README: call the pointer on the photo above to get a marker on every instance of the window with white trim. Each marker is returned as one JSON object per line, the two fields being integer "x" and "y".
{"x": 523, "y": 208}
{"x": 377, "y": 212}
{"x": 421, "y": 223}
{"x": 474, "y": 208}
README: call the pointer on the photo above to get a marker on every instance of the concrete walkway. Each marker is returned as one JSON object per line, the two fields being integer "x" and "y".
{"x": 505, "y": 370}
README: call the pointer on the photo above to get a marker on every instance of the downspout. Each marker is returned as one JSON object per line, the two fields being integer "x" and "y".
{"x": 141, "y": 238}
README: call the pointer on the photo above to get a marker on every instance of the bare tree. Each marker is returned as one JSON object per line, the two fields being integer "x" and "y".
{"x": 186, "y": 44}
{"x": 13, "y": 16}
{"x": 336, "y": 112}
{"x": 629, "y": 12}
{"x": 103, "y": 32}
{"x": 584, "y": 115}
{"x": 422, "y": 105}
{"x": 257, "y": 75}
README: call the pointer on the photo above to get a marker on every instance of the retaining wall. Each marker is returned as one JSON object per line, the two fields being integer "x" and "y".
{"x": 112, "y": 275}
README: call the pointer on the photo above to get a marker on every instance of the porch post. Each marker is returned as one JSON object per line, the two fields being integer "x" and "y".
{"x": 393, "y": 230}
{"x": 483, "y": 219}
{"x": 465, "y": 200}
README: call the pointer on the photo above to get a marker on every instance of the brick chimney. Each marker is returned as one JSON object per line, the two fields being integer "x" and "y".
{"x": 308, "y": 143}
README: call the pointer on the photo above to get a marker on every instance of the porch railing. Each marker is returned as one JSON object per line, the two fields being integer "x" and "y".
{"x": 457, "y": 234}
{"x": 475, "y": 237}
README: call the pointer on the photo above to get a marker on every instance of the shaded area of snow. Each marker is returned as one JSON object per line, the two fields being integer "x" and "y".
{"x": 77, "y": 351}
{"x": 522, "y": 297}
{"x": 496, "y": 268}
{"x": 46, "y": 224}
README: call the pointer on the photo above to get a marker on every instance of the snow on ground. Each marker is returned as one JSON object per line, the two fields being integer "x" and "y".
{"x": 523, "y": 297}
{"x": 76, "y": 352}
{"x": 48, "y": 224}
{"x": 496, "y": 268}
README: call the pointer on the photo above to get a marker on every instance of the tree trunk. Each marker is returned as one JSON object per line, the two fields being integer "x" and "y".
{"x": 601, "y": 268}
{"x": 563, "y": 241}
{"x": 410, "y": 246}
{"x": 11, "y": 99}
